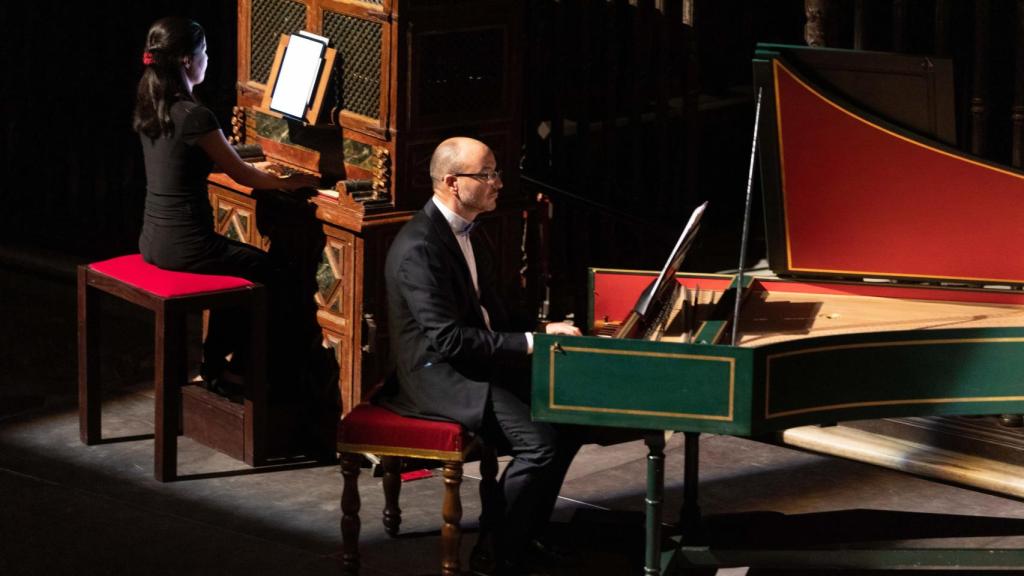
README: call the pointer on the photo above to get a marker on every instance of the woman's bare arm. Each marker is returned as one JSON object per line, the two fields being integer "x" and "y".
{"x": 225, "y": 157}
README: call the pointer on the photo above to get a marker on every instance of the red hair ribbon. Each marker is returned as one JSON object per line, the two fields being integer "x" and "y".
{"x": 147, "y": 58}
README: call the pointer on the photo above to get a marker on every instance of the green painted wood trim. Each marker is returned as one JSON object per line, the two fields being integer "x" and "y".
{"x": 889, "y": 374}
{"x": 771, "y": 170}
{"x": 640, "y": 384}
{"x": 710, "y": 332}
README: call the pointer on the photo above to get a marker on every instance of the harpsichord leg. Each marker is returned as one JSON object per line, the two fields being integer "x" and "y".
{"x": 689, "y": 514}
{"x": 652, "y": 503}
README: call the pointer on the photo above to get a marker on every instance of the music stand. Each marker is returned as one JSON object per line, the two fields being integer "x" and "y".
{"x": 290, "y": 67}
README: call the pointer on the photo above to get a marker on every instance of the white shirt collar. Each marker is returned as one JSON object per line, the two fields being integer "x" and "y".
{"x": 457, "y": 223}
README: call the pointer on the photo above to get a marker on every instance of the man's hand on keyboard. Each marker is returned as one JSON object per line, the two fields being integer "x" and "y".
{"x": 563, "y": 328}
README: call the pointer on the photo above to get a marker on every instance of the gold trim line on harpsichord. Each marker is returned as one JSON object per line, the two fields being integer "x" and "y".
{"x": 380, "y": 450}
{"x": 768, "y": 414}
{"x": 556, "y": 348}
{"x": 777, "y": 68}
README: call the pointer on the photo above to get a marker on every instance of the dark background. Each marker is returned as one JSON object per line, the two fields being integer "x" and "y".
{"x": 72, "y": 180}
{"x": 73, "y": 174}
{"x": 71, "y": 166}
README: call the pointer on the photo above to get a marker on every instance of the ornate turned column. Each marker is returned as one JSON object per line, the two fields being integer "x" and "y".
{"x": 392, "y": 491}
{"x": 350, "y": 505}
{"x": 816, "y": 27}
{"x": 451, "y": 511}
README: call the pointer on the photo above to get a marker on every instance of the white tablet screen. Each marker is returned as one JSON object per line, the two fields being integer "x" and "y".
{"x": 300, "y": 69}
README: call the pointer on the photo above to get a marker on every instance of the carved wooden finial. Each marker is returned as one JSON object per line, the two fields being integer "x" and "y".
{"x": 816, "y": 12}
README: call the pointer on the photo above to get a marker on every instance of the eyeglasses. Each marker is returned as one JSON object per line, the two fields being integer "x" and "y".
{"x": 491, "y": 176}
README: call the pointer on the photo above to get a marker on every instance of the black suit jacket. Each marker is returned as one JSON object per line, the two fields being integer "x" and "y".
{"x": 445, "y": 357}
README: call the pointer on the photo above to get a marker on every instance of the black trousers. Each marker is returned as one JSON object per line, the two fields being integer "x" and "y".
{"x": 529, "y": 486}
{"x": 227, "y": 327}
{"x": 189, "y": 250}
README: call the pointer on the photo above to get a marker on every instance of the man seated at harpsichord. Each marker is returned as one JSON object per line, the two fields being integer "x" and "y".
{"x": 456, "y": 350}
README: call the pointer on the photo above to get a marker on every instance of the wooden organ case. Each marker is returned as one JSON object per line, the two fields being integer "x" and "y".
{"x": 407, "y": 74}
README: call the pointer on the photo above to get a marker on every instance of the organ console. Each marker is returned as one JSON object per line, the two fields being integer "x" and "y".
{"x": 405, "y": 75}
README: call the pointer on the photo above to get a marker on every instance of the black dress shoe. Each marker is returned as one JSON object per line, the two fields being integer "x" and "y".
{"x": 232, "y": 391}
{"x": 1011, "y": 420}
{"x": 548, "y": 553}
{"x": 547, "y": 556}
{"x": 525, "y": 569}
{"x": 482, "y": 562}
{"x": 537, "y": 560}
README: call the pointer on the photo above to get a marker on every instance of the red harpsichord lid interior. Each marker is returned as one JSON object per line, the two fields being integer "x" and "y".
{"x": 862, "y": 198}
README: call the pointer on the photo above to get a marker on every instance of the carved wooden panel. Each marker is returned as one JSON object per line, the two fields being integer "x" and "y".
{"x": 235, "y": 218}
{"x": 341, "y": 345}
{"x": 336, "y": 280}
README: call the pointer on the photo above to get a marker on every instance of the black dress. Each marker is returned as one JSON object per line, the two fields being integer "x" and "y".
{"x": 177, "y": 228}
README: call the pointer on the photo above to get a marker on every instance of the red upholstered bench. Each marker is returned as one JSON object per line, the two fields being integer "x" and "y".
{"x": 370, "y": 429}
{"x": 170, "y": 296}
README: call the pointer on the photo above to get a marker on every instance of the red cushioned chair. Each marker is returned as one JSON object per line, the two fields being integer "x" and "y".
{"x": 170, "y": 296}
{"x": 370, "y": 429}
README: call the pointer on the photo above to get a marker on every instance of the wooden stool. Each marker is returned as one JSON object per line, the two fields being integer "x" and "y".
{"x": 376, "y": 430}
{"x": 170, "y": 296}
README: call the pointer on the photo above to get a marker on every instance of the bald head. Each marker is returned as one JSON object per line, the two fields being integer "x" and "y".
{"x": 453, "y": 156}
{"x": 465, "y": 176}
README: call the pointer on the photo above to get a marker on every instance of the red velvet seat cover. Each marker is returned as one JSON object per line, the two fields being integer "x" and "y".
{"x": 133, "y": 270}
{"x": 370, "y": 425}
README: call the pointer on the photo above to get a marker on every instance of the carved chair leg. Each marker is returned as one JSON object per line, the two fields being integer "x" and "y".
{"x": 451, "y": 533}
{"x": 350, "y": 513}
{"x": 392, "y": 490}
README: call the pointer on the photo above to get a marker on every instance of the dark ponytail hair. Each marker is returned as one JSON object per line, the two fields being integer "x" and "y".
{"x": 169, "y": 41}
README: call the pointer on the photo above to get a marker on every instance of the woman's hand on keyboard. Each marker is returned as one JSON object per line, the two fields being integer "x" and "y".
{"x": 299, "y": 180}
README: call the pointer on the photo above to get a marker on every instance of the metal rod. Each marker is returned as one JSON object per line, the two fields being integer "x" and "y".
{"x": 746, "y": 221}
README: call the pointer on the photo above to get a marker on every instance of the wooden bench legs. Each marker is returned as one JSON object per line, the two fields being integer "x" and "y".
{"x": 451, "y": 512}
{"x": 170, "y": 359}
{"x": 169, "y": 376}
{"x": 89, "y": 326}
{"x": 350, "y": 505}
{"x": 451, "y": 509}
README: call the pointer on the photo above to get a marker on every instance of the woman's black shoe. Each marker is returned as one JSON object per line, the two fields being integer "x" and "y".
{"x": 232, "y": 391}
